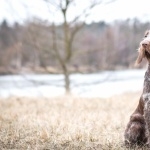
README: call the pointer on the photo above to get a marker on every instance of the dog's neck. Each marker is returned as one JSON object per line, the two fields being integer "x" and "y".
{"x": 147, "y": 74}
{"x": 146, "y": 88}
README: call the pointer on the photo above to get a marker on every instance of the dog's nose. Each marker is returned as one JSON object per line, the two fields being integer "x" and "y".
{"x": 144, "y": 44}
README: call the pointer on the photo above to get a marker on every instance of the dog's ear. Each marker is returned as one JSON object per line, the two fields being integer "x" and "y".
{"x": 141, "y": 55}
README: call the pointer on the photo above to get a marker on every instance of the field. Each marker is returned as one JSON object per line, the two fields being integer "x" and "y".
{"x": 65, "y": 123}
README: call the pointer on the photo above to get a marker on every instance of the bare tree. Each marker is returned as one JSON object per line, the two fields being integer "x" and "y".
{"x": 63, "y": 46}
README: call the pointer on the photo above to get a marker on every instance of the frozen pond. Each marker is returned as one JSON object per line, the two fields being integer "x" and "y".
{"x": 103, "y": 84}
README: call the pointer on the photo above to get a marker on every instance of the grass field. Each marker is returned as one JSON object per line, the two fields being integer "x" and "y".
{"x": 66, "y": 123}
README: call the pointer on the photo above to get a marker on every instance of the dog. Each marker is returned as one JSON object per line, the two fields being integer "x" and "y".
{"x": 137, "y": 131}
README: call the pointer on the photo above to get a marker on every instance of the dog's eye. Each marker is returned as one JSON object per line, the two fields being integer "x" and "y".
{"x": 145, "y": 36}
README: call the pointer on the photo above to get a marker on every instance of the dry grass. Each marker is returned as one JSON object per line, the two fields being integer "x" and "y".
{"x": 65, "y": 123}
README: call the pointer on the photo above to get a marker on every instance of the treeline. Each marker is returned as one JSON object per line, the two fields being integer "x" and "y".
{"x": 97, "y": 46}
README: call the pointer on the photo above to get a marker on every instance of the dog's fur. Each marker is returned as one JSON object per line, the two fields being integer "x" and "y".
{"x": 138, "y": 129}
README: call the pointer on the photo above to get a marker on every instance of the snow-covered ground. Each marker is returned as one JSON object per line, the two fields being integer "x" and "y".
{"x": 103, "y": 84}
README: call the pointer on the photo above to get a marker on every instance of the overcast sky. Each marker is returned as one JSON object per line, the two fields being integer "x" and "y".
{"x": 19, "y": 10}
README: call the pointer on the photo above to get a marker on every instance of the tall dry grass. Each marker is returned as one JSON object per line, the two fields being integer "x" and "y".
{"x": 66, "y": 123}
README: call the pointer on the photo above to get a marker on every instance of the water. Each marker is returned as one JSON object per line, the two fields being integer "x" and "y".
{"x": 102, "y": 84}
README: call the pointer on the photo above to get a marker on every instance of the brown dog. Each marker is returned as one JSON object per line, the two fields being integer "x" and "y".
{"x": 138, "y": 129}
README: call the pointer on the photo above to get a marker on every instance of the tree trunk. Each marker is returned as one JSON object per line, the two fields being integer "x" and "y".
{"x": 66, "y": 79}
{"x": 67, "y": 83}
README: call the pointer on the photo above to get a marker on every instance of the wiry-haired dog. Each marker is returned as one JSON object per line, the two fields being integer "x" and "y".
{"x": 138, "y": 129}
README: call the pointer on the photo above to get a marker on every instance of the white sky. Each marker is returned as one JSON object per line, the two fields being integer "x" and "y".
{"x": 120, "y": 9}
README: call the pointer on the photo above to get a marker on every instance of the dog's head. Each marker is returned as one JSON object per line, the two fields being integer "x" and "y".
{"x": 144, "y": 48}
